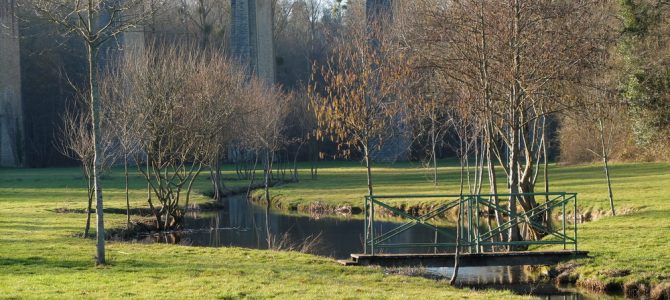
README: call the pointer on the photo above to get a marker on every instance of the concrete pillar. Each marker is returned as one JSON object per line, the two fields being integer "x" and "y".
{"x": 120, "y": 46}
{"x": 11, "y": 111}
{"x": 252, "y": 38}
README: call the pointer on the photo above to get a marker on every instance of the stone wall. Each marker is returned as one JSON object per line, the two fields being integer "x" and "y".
{"x": 11, "y": 112}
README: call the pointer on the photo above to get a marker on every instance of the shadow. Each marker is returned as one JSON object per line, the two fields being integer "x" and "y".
{"x": 44, "y": 262}
{"x": 110, "y": 210}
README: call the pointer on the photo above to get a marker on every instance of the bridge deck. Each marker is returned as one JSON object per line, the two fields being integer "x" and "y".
{"x": 517, "y": 258}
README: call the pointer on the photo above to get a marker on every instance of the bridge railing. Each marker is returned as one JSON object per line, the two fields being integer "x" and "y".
{"x": 473, "y": 236}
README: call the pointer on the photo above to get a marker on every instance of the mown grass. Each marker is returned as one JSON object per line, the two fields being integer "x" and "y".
{"x": 42, "y": 257}
{"x": 637, "y": 239}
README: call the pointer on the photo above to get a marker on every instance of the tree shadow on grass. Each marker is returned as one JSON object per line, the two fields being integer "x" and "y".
{"x": 110, "y": 210}
{"x": 45, "y": 262}
{"x": 73, "y": 264}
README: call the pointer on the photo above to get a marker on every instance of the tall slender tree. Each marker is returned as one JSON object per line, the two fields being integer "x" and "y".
{"x": 95, "y": 22}
{"x": 365, "y": 80}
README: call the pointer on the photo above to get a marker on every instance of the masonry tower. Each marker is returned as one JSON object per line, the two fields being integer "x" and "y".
{"x": 11, "y": 111}
{"x": 252, "y": 37}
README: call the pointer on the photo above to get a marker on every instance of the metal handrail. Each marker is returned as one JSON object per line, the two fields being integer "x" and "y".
{"x": 475, "y": 239}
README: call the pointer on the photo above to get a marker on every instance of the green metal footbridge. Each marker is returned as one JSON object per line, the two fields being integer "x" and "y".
{"x": 480, "y": 231}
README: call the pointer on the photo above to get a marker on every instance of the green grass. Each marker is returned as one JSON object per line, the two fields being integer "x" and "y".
{"x": 41, "y": 257}
{"x": 638, "y": 239}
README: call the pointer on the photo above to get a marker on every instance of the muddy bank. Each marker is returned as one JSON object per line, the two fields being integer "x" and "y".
{"x": 610, "y": 282}
{"x": 312, "y": 208}
{"x": 591, "y": 214}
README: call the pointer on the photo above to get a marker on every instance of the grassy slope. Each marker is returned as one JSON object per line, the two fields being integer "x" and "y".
{"x": 41, "y": 258}
{"x": 638, "y": 240}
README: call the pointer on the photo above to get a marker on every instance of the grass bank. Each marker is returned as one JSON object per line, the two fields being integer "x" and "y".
{"x": 630, "y": 251}
{"x": 41, "y": 257}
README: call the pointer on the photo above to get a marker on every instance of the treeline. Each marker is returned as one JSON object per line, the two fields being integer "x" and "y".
{"x": 632, "y": 49}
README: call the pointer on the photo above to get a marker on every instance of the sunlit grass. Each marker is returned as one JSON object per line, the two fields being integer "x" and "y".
{"x": 638, "y": 239}
{"x": 41, "y": 257}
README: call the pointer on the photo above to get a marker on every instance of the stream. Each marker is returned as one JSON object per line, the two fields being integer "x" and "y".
{"x": 243, "y": 224}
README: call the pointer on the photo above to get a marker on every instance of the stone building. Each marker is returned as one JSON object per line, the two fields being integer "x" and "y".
{"x": 252, "y": 39}
{"x": 11, "y": 111}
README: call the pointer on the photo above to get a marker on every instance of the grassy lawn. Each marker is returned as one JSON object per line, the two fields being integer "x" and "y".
{"x": 637, "y": 240}
{"x": 41, "y": 257}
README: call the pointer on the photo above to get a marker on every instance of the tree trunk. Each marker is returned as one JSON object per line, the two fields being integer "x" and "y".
{"x": 268, "y": 201}
{"x": 89, "y": 208}
{"x": 125, "y": 171}
{"x": 97, "y": 158}
{"x": 493, "y": 181}
{"x": 488, "y": 129}
{"x": 295, "y": 163}
{"x": 433, "y": 138}
{"x": 454, "y": 275}
{"x": 190, "y": 188}
{"x": 215, "y": 176}
{"x": 314, "y": 169}
{"x": 368, "y": 167}
{"x": 219, "y": 177}
{"x": 148, "y": 180}
{"x": 268, "y": 173}
{"x": 545, "y": 162}
{"x": 268, "y": 231}
{"x": 253, "y": 175}
{"x": 513, "y": 179}
{"x": 605, "y": 155}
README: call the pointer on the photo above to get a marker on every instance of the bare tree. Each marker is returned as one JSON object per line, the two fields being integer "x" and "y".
{"x": 265, "y": 125}
{"x": 364, "y": 82}
{"x": 76, "y": 142}
{"x": 221, "y": 89}
{"x": 430, "y": 117}
{"x": 86, "y": 20}
{"x": 175, "y": 95}
{"x": 118, "y": 112}
{"x": 208, "y": 19}
{"x": 601, "y": 111}
{"x": 517, "y": 58}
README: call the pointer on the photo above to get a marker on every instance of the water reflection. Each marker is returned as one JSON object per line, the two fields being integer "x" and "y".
{"x": 243, "y": 224}
{"x": 517, "y": 279}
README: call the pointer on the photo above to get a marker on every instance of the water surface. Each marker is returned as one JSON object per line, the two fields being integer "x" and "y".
{"x": 244, "y": 224}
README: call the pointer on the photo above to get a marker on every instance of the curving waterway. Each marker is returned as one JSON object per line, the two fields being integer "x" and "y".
{"x": 244, "y": 224}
